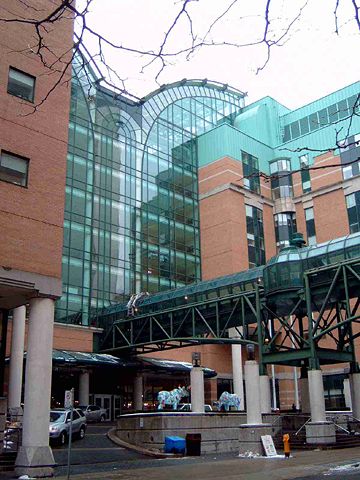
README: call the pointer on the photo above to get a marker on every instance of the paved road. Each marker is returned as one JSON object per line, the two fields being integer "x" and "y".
{"x": 93, "y": 452}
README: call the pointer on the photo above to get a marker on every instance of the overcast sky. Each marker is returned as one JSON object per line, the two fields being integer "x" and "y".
{"x": 313, "y": 62}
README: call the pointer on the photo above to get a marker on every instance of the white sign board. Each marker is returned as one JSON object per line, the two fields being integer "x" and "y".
{"x": 268, "y": 444}
{"x": 68, "y": 402}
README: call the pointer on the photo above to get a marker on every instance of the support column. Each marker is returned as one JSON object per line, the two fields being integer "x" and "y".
{"x": 355, "y": 394}
{"x": 84, "y": 382}
{"x": 237, "y": 368}
{"x": 304, "y": 391}
{"x": 250, "y": 433}
{"x": 197, "y": 390}
{"x": 316, "y": 392}
{"x": 252, "y": 386}
{"x": 265, "y": 394}
{"x": 347, "y": 393}
{"x": 318, "y": 430}
{"x": 35, "y": 457}
{"x": 16, "y": 360}
{"x": 138, "y": 392}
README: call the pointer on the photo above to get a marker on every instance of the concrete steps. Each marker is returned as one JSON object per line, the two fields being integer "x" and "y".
{"x": 298, "y": 442}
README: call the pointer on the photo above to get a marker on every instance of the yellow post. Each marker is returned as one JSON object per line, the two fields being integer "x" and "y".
{"x": 286, "y": 441}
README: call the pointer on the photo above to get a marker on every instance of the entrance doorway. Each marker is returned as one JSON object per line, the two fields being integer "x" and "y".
{"x": 104, "y": 401}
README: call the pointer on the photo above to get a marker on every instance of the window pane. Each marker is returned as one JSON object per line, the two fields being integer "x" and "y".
{"x": 304, "y": 126}
{"x": 21, "y": 84}
{"x": 313, "y": 120}
{"x": 13, "y": 169}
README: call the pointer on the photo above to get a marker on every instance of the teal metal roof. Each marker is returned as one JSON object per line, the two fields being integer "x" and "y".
{"x": 225, "y": 140}
{"x": 240, "y": 278}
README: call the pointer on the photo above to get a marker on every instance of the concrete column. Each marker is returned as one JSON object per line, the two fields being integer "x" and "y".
{"x": 16, "y": 360}
{"x": 355, "y": 394}
{"x": 265, "y": 394}
{"x": 317, "y": 400}
{"x": 252, "y": 386}
{"x": 197, "y": 390}
{"x": 237, "y": 368}
{"x": 84, "y": 381}
{"x": 35, "y": 457}
{"x": 347, "y": 393}
{"x": 304, "y": 394}
{"x": 138, "y": 392}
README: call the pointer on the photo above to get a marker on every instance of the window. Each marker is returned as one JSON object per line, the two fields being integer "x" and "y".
{"x": 255, "y": 236}
{"x": 353, "y": 208}
{"x": 251, "y": 172}
{"x": 310, "y": 226}
{"x": 21, "y": 84}
{"x": 285, "y": 227}
{"x": 305, "y": 174}
{"x": 13, "y": 169}
{"x": 349, "y": 155}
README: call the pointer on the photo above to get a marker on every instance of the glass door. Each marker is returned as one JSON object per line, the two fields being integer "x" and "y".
{"x": 104, "y": 401}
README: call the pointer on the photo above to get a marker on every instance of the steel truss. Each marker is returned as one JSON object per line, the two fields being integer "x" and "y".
{"x": 189, "y": 324}
{"x": 330, "y": 298}
{"x": 277, "y": 322}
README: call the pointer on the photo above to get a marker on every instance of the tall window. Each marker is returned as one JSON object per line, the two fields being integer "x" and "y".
{"x": 255, "y": 236}
{"x": 305, "y": 173}
{"x": 353, "y": 208}
{"x": 310, "y": 226}
{"x": 281, "y": 181}
{"x": 285, "y": 227}
{"x": 21, "y": 84}
{"x": 13, "y": 169}
{"x": 250, "y": 171}
{"x": 350, "y": 154}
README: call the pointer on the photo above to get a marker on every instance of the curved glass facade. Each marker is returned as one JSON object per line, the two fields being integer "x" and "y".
{"x": 131, "y": 215}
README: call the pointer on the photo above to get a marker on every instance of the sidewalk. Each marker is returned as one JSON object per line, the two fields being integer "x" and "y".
{"x": 303, "y": 463}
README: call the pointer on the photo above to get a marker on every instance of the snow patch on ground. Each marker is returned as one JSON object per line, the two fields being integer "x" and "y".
{"x": 343, "y": 468}
{"x": 257, "y": 455}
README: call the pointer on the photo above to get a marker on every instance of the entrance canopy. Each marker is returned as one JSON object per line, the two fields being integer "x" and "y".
{"x": 84, "y": 359}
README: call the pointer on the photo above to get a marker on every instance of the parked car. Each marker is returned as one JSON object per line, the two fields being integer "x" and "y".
{"x": 59, "y": 428}
{"x": 94, "y": 413}
{"x": 186, "y": 407}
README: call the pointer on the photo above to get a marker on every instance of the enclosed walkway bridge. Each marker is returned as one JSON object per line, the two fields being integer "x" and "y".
{"x": 268, "y": 306}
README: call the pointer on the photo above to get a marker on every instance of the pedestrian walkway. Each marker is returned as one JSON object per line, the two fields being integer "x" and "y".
{"x": 301, "y": 464}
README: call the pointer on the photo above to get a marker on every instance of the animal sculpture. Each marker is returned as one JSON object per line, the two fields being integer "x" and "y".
{"x": 171, "y": 398}
{"x": 228, "y": 400}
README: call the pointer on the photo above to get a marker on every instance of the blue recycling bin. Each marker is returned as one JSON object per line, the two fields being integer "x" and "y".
{"x": 174, "y": 445}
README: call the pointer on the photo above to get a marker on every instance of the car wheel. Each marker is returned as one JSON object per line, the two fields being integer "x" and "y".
{"x": 63, "y": 438}
{"x": 102, "y": 418}
{"x": 82, "y": 432}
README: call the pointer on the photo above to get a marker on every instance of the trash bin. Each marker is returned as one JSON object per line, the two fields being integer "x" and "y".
{"x": 193, "y": 444}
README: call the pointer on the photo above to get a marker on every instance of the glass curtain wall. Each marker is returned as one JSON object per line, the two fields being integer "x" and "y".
{"x": 132, "y": 220}
{"x": 285, "y": 227}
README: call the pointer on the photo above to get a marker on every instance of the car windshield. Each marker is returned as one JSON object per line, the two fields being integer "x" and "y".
{"x": 82, "y": 407}
{"x": 57, "y": 416}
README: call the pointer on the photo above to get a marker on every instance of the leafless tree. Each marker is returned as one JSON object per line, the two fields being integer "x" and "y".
{"x": 41, "y": 21}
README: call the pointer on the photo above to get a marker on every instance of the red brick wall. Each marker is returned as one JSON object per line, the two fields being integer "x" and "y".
{"x": 331, "y": 218}
{"x": 325, "y": 176}
{"x": 31, "y": 219}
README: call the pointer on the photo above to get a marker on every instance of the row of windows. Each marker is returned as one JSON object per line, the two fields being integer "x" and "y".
{"x": 326, "y": 116}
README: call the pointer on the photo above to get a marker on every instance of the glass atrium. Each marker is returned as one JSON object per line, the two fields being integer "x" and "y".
{"x": 131, "y": 215}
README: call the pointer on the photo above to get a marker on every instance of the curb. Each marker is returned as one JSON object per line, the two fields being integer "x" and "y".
{"x": 111, "y": 434}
